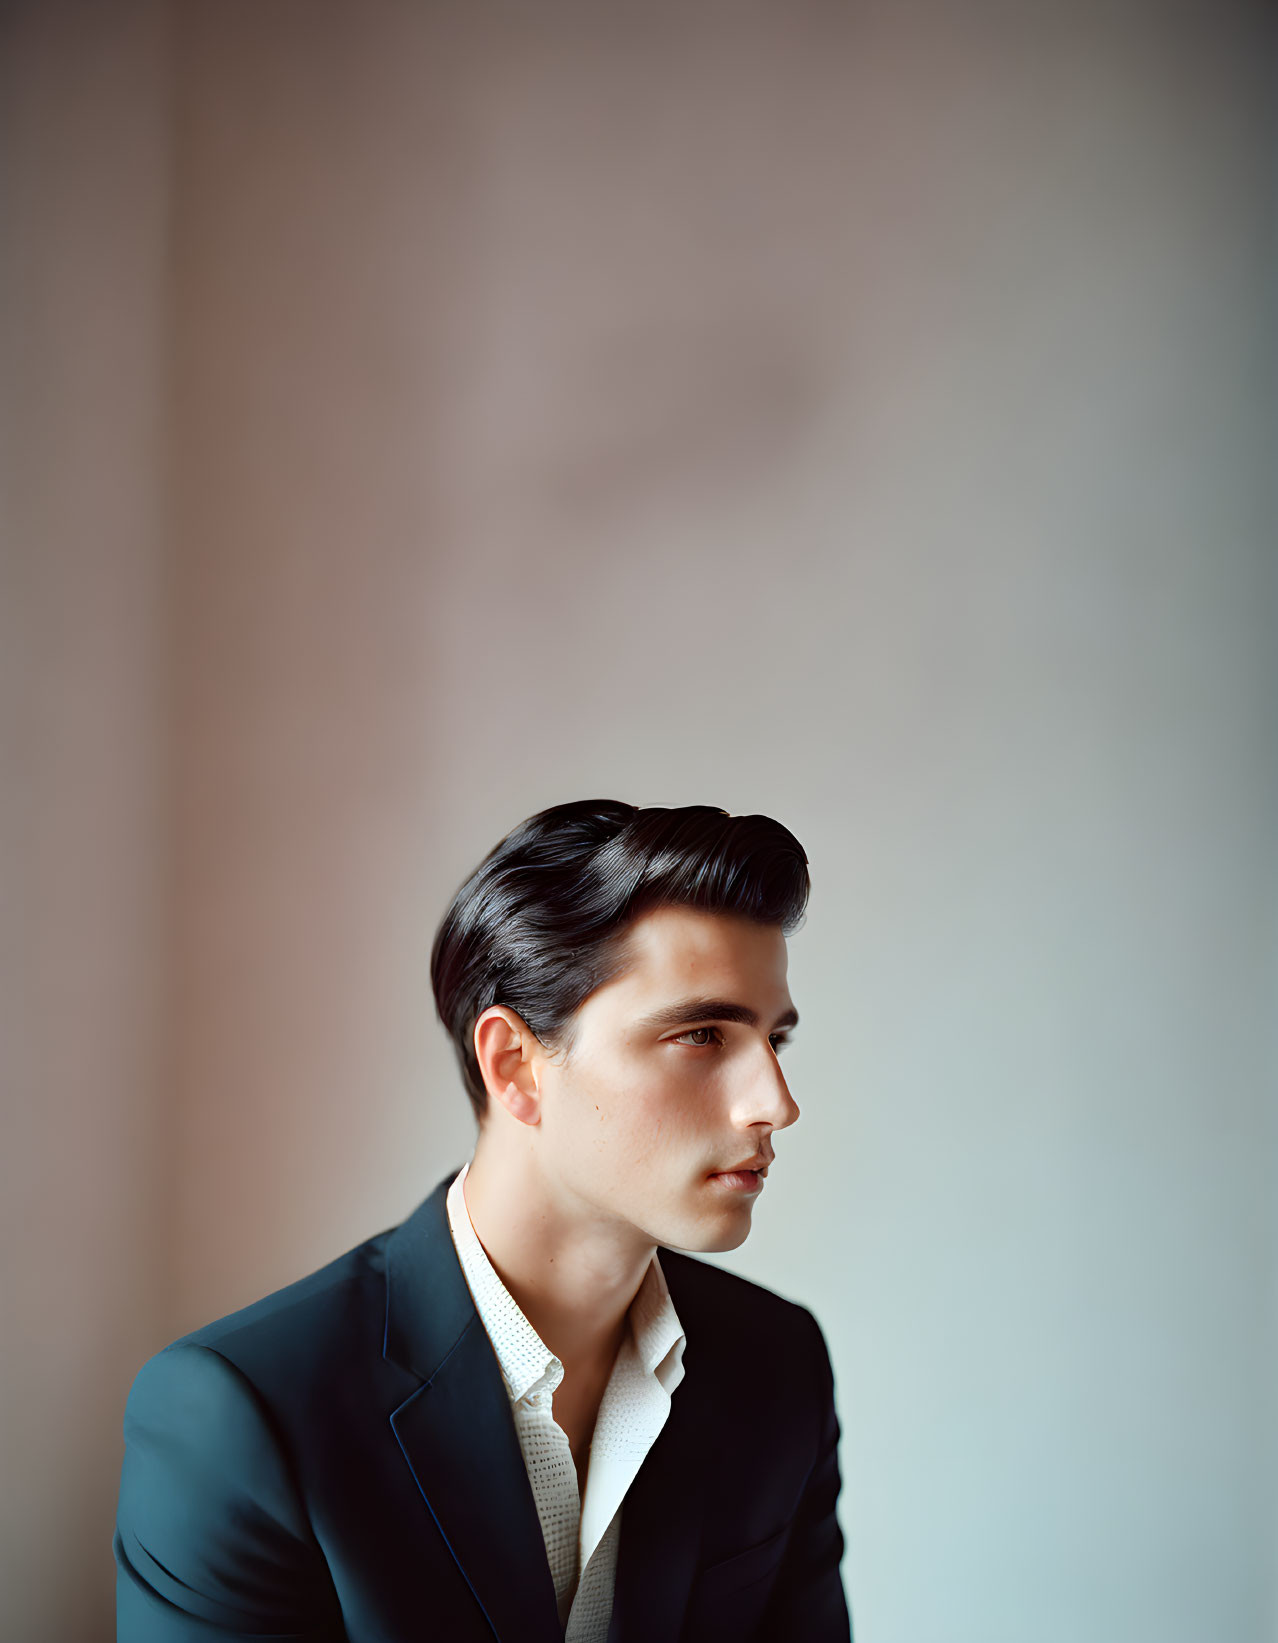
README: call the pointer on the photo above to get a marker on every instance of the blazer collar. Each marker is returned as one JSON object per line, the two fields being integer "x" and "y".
{"x": 428, "y": 1306}
{"x": 457, "y": 1428}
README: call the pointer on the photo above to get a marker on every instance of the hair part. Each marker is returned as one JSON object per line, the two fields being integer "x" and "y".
{"x": 541, "y": 922}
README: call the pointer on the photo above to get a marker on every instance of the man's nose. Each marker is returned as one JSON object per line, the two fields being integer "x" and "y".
{"x": 769, "y": 1099}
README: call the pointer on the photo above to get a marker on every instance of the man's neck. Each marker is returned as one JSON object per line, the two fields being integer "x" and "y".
{"x": 572, "y": 1275}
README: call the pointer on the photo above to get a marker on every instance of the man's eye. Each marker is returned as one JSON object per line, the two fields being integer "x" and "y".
{"x": 714, "y": 1036}
{"x": 692, "y": 1033}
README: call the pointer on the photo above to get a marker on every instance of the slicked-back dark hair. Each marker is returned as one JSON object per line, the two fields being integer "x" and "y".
{"x": 541, "y": 922}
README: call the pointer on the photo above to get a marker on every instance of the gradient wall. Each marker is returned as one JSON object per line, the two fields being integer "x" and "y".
{"x": 419, "y": 414}
{"x": 87, "y": 1145}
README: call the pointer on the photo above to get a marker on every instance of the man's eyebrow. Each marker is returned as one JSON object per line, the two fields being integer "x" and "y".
{"x": 712, "y": 1009}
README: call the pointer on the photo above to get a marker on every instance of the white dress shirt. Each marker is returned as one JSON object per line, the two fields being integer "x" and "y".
{"x": 581, "y": 1534}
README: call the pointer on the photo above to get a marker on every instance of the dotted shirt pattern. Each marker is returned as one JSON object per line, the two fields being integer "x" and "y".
{"x": 582, "y": 1535}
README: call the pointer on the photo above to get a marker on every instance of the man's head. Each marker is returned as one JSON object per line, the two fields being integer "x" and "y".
{"x": 614, "y": 981}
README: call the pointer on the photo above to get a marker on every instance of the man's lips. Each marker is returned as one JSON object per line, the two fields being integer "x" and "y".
{"x": 747, "y": 1177}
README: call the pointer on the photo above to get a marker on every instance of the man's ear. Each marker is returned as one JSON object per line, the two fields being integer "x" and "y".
{"x": 507, "y": 1050}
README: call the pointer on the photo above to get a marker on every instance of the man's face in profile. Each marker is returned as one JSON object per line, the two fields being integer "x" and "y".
{"x": 661, "y": 1088}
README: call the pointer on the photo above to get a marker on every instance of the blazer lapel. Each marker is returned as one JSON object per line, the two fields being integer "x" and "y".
{"x": 457, "y": 1432}
{"x": 662, "y": 1513}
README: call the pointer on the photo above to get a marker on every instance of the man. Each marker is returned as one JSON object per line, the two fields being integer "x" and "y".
{"x": 523, "y": 1414}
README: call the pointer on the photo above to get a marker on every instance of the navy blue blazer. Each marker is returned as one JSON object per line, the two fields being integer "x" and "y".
{"x": 338, "y": 1463}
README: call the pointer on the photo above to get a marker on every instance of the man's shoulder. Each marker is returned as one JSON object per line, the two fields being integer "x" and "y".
{"x": 326, "y": 1302}
{"x": 339, "y": 1306}
{"x": 733, "y": 1322}
{"x": 725, "y": 1303}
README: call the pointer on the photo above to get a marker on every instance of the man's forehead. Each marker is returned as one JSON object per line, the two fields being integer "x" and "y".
{"x": 685, "y": 947}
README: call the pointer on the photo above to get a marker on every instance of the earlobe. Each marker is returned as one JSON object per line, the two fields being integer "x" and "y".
{"x": 526, "y": 1108}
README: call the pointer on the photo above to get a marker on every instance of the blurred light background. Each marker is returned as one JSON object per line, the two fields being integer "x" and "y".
{"x": 417, "y": 414}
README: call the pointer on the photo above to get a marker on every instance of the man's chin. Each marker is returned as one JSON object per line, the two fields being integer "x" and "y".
{"x": 712, "y": 1239}
{"x": 726, "y": 1241}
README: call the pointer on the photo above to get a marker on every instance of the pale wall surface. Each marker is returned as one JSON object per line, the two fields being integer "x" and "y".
{"x": 856, "y": 415}
{"x": 84, "y": 1164}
